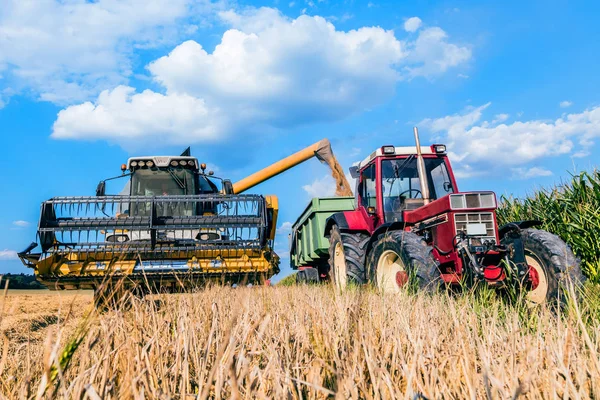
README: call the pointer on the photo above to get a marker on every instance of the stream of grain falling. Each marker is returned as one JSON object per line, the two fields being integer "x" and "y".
{"x": 342, "y": 187}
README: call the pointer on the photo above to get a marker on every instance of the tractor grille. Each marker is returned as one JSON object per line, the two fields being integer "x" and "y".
{"x": 462, "y": 219}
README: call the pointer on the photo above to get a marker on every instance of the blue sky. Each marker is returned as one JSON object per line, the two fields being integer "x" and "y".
{"x": 512, "y": 88}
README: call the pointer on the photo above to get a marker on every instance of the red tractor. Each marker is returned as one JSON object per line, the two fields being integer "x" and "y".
{"x": 412, "y": 226}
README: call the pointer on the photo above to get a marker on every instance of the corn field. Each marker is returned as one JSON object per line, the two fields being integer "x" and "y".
{"x": 570, "y": 210}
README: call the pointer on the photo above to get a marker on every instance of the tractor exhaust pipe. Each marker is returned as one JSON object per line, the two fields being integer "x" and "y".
{"x": 421, "y": 169}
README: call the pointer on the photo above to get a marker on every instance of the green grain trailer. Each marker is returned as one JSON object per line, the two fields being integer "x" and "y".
{"x": 308, "y": 245}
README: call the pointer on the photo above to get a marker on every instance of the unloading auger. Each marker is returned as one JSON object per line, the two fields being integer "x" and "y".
{"x": 173, "y": 226}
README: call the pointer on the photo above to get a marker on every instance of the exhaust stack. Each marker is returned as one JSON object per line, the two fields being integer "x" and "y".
{"x": 421, "y": 169}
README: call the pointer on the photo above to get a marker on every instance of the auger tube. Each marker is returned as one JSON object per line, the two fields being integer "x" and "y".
{"x": 318, "y": 149}
{"x": 421, "y": 169}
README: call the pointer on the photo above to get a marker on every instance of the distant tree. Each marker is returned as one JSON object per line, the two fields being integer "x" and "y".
{"x": 20, "y": 281}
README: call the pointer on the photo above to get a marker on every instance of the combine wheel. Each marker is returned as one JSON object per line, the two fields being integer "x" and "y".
{"x": 347, "y": 257}
{"x": 552, "y": 266}
{"x": 400, "y": 260}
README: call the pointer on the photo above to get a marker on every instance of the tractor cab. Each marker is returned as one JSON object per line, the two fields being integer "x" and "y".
{"x": 388, "y": 180}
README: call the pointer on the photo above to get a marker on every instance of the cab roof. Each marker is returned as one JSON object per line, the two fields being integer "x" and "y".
{"x": 401, "y": 151}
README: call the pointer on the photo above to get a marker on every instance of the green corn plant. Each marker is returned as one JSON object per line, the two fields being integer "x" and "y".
{"x": 570, "y": 210}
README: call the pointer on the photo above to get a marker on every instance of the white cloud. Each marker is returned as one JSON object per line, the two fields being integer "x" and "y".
{"x": 268, "y": 71}
{"x": 285, "y": 228}
{"x": 498, "y": 118}
{"x": 121, "y": 115}
{"x": 565, "y": 104}
{"x": 478, "y": 147}
{"x": 291, "y": 4}
{"x": 65, "y": 51}
{"x": 412, "y": 24}
{"x": 581, "y": 154}
{"x": 463, "y": 76}
{"x": 8, "y": 254}
{"x": 21, "y": 223}
{"x": 431, "y": 54}
{"x": 528, "y": 173}
{"x": 321, "y": 187}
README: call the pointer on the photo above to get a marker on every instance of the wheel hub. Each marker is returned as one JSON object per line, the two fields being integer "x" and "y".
{"x": 391, "y": 273}
{"x": 539, "y": 281}
{"x": 534, "y": 277}
{"x": 401, "y": 278}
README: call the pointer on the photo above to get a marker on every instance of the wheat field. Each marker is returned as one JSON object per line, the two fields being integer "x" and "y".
{"x": 298, "y": 343}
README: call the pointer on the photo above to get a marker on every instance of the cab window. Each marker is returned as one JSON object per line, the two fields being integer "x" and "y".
{"x": 368, "y": 187}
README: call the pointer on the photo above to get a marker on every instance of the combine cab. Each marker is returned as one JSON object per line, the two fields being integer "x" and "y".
{"x": 172, "y": 227}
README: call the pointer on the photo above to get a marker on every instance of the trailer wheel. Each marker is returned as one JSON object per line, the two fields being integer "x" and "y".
{"x": 347, "y": 257}
{"x": 300, "y": 277}
{"x": 552, "y": 266}
{"x": 400, "y": 260}
{"x": 312, "y": 275}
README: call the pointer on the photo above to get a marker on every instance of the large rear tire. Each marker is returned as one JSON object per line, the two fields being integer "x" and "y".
{"x": 552, "y": 266}
{"x": 401, "y": 260}
{"x": 347, "y": 257}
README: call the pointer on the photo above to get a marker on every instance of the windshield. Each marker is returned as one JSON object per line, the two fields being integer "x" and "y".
{"x": 400, "y": 181}
{"x": 163, "y": 182}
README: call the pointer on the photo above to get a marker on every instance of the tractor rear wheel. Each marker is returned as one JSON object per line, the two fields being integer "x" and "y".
{"x": 401, "y": 260}
{"x": 347, "y": 257}
{"x": 552, "y": 266}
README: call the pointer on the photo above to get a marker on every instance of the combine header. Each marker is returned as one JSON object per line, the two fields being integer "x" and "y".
{"x": 173, "y": 226}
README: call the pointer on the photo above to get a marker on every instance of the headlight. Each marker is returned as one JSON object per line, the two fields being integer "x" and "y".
{"x": 472, "y": 200}
{"x": 204, "y": 236}
{"x": 388, "y": 150}
{"x": 439, "y": 148}
{"x": 117, "y": 238}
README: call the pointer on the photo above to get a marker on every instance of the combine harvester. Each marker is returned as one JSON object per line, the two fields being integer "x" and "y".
{"x": 409, "y": 225}
{"x": 173, "y": 227}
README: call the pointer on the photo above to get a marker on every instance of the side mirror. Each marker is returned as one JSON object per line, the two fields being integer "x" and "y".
{"x": 354, "y": 172}
{"x": 101, "y": 188}
{"x": 227, "y": 186}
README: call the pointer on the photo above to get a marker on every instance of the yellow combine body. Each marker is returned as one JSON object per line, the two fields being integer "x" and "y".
{"x": 171, "y": 228}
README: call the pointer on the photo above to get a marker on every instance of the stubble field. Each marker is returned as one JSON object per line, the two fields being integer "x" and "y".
{"x": 297, "y": 343}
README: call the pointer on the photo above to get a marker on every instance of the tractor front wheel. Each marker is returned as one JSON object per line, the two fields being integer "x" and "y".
{"x": 346, "y": 257}
{"x": 400, "y": 260}
{"x": 552, "y": 266}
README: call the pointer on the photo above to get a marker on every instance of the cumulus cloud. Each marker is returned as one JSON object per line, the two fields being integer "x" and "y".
{"x": 268, "y": 71}
{"x": 21, "y": 223}
{"x": 123, "y": 115}
{"x": 431, "y": 54}
{"x": 8, "y": 254}
{"x": 480, "y": 147}
{"x": 565, "y": 104}
{"x": 65, "y": 51}
{"x": 412, "y": 24}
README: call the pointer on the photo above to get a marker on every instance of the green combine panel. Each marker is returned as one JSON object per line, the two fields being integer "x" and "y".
{"x": 309, "y": 247}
